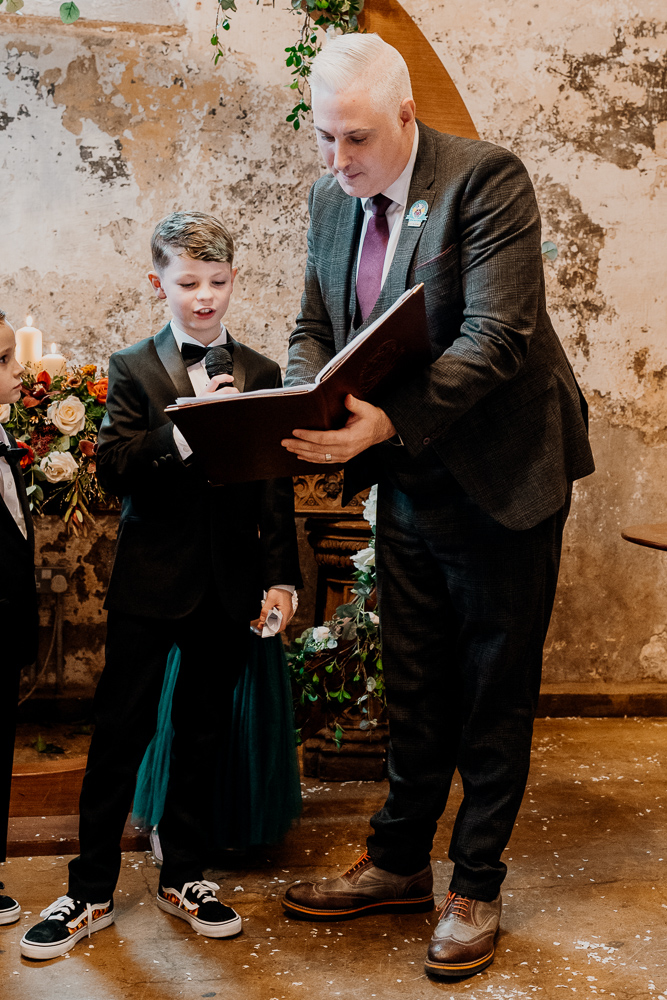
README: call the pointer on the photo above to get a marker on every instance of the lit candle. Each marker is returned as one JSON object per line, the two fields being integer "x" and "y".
{"x": 29, "y": 344}
{"x": 53, "y": 362}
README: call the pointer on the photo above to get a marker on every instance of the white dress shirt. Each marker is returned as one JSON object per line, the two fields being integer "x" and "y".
{"x": 8, "y": 489}
{"x": 398, "y": 192}
{"x": 198, "y": 375}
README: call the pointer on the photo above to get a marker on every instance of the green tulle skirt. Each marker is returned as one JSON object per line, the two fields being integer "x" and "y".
{"x": 259, "y": 791}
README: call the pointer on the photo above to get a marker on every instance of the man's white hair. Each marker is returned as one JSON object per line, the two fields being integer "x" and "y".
{"x": 354, "y": 60}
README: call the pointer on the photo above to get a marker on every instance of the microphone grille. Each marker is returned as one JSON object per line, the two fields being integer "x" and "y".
{"x": 219, "y": 362}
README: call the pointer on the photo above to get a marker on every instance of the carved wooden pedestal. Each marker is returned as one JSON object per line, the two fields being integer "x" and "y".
{"x": 335, "y": 534}
{"x": 362, "y": 755}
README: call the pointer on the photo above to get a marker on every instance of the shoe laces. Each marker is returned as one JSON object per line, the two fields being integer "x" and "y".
{"x": 361, "y": 861}
{"x": 203, "y": 890}
{"x": 64, "y": 907}
{"x": 454, "y": 903}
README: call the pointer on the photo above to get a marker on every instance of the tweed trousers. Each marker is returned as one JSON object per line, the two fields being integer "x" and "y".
{"x": 465, "y": 606}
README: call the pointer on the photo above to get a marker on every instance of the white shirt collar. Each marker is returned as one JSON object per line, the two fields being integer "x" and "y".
{"x": 399, "y": 190}
{"x": 181, "y": 337}
{"x": 3, "y": 435}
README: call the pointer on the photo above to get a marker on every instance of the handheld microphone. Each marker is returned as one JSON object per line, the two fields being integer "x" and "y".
{"x": 219, "y": 361}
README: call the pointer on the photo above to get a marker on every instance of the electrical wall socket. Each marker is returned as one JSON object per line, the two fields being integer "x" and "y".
{"x": 51, "y": 579}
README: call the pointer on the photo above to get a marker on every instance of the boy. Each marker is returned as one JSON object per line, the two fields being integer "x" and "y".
{"x": 18, "y": 597}
{"x": 191, "y": 563}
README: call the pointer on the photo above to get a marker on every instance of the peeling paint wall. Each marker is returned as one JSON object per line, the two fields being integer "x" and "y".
{"x": 105, "y": 127}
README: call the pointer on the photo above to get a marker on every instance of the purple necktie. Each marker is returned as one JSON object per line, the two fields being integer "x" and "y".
{"x": 369, "y": 272}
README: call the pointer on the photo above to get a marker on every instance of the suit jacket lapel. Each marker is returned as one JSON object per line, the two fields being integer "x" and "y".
{"x": 23, "y": 500}
{"x": 170, "y": 356}
{"x": 342, "y": 259}
{"x": 239, "y": 370}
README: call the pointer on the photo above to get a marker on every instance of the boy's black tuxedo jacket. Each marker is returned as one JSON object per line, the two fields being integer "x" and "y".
{"x": 18, "y": 597}
{"x": 177, "y": 531}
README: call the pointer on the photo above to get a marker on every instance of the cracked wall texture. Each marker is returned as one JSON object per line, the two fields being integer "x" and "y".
{"x": 106, "y": 127}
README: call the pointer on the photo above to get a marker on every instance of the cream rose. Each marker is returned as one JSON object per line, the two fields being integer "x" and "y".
{"x": 59, "y": 466}
{"x": 364, "y": 558}
{"x": 5, "y": 412}
{"x": 69, "y": 415}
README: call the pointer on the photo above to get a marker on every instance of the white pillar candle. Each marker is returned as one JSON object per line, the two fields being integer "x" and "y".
{"x": 53, "y": 362}
{"x": 29, "y": 344}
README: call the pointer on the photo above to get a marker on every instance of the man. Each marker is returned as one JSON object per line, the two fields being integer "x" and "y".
{"x": 475, "y": 457}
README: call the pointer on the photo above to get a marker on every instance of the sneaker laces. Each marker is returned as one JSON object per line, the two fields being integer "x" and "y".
{"x": 64, "y": 907}
{"x": 203, "y": 890}
{"x": 453, "y": 903}
{"x": 359, "y": 863}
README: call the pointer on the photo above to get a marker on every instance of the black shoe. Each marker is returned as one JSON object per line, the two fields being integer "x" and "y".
{"x": 196, "y": 902}
{"x": 9, "y": 909}
{"x": 66, "y": 922}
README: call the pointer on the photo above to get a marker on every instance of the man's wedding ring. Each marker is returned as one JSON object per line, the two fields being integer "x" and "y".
{"x": 327, "y": 457}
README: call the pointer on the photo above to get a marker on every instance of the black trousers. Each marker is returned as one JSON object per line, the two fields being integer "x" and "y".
{"x": 9, "y": 695}
{"x": 214, "y": 651}
{"x": 465, "y": 606}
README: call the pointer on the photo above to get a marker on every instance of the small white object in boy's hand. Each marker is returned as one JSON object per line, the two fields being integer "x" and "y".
{"x": 272, "y": 624}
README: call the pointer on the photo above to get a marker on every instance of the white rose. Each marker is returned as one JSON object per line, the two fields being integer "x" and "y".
{"x": 320, "y": 633}
{"x": 365, "y": 558}
{"x": 370, "y": 506}
{"x": 59, "y": 466}
{"x": 5, "y": 412}
{"x": 69, "y": 415}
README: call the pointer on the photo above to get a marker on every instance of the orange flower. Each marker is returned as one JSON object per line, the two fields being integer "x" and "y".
{"x": 29, "y": 456}
{"x": 88, "y": 370}
{"x": 99, "y": 389}
{"x": 44, "y": 378}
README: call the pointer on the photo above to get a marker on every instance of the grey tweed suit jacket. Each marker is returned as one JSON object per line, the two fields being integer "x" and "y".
{"x": 499, "y": 405}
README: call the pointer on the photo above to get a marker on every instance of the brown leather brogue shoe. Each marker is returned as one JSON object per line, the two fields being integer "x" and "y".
{"x": 362, "y": 889}
{"x": 464, "y": 942}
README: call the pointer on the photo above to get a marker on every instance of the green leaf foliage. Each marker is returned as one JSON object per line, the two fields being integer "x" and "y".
{"x": 549, "y": 250}
{"x": 69, "y": 12}
{"x": 14, "y": 5}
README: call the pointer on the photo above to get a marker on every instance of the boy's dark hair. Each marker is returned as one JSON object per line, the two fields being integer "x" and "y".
{"x": 191, "y": 234}
{"x": 3, "y": 315}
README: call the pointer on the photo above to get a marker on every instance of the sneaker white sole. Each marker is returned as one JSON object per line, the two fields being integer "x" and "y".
{"x": 32, "y": 949}
{"x": 10, "y": 915}
{"x": 229, "y": 928}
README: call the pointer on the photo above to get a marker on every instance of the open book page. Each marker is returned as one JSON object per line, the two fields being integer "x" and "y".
{"x": 337, "y": 359}
{"x": 213, "y": 397}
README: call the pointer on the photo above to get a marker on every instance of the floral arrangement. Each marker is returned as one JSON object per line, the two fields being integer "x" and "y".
{"x": 55, "y": 422}
{"x": 337, "y": 666}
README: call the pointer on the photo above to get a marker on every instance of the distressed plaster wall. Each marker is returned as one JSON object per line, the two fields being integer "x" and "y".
{"x": 107, "y": 125}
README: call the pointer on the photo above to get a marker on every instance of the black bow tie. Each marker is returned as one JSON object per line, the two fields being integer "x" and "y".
{"x": 13, "y": 455}
{"x": 193, "y": 353}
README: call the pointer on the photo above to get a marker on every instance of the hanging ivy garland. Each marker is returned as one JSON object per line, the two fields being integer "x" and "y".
{"x": 338, "y": 16}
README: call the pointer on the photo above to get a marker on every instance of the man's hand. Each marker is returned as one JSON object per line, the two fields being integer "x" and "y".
{"x": 275, "y": 598}
{"x": 217, "y": 380}
{"x": 366, "y": 425}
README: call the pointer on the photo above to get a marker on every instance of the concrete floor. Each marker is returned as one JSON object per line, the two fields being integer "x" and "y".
{"x": 585, "y": 901}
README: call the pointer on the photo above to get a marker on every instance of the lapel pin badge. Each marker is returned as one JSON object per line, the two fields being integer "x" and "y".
{"x": 418, "y": 214}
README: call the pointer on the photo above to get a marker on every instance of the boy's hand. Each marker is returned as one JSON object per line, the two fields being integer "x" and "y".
{"x": 221, "y": 380}
{"x": 276, "y": 598}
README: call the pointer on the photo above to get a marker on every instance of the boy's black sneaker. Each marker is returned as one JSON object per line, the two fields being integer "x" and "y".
{"x": 65, "y": 922}
{"x": 197, "y": 903}
{"x": 9, "y": 909}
